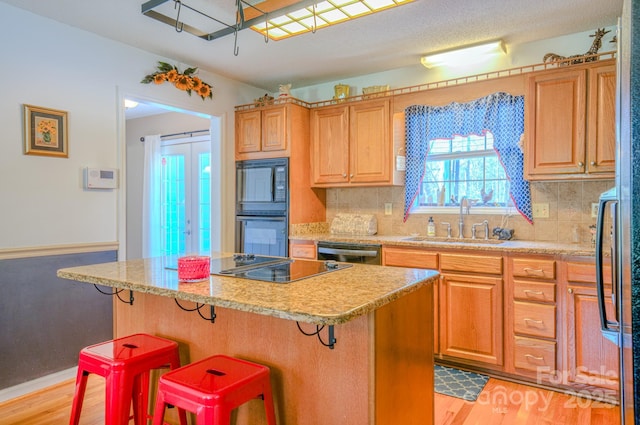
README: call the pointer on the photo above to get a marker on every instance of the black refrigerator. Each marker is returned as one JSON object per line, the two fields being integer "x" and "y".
{"x": 619, "y": 220}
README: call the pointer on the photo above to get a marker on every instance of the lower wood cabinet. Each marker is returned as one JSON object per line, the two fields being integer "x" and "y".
{"x": 471, "y": 318}
{"x": 529, "y": 317}
{"x": 591, "y": 359}
{"x": 304, "y": 249}
{"x": 468, "y": 307}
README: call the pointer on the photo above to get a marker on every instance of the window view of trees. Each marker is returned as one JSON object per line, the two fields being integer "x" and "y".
{"x": 464, "y": 166}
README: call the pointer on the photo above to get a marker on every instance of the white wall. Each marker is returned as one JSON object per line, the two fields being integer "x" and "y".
{"x": 517, "y": 56}
{"x": 52, "y": 65}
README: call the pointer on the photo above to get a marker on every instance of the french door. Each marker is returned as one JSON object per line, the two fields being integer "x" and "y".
{"x": 185, "y": 194}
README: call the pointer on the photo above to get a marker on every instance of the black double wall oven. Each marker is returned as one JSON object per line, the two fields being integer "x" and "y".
{"x": 262, "y": 206}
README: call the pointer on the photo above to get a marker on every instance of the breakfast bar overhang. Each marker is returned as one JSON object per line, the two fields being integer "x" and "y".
{"x": 379, "y": 372}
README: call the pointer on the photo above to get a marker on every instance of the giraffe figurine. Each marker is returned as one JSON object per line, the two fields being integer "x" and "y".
{"x": 576, "y": 59}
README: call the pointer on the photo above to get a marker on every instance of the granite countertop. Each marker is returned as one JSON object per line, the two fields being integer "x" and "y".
{"x": 328, "y": 299}
{"x": 514, "y": 246}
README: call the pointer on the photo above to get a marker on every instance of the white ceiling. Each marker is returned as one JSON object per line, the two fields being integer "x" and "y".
{"x": 391, "y": 39}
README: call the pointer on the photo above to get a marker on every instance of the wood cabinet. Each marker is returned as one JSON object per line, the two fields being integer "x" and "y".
{"x": 352, "y": 145}
{"x": 267, "y": 132}
{"x": 277, "y": 131}
{"x": 471, "y": 311}
{"x": 532, "y": 312}
{"x": 468, "y": 302}
{"x": 570, "y": 122}
{"x": 592, "y": 360}
{"x": 302, "y": 249}
{"x": 533, "y": 318}
{"x": 418, "y": 259}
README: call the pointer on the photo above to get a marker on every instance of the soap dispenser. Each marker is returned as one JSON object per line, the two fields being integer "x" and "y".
{"x": 431, "y": 228}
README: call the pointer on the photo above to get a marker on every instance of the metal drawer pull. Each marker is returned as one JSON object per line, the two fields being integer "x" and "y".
{"x": 537, "y": 272}
{"x": 532, "y": 357}
{"x": 532, "y": 292}
{"x": 539, "y": 322}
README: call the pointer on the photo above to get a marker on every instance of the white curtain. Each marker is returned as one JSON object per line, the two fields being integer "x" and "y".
{"x": 151, "y": 208}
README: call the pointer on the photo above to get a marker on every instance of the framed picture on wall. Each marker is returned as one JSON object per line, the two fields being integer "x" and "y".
{"x": 45, "y": 132}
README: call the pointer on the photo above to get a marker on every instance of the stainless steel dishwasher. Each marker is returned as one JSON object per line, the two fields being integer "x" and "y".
{"x": 350, "y": 252}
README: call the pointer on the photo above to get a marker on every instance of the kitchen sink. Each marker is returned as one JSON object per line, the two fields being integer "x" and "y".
{"x": 453, "y": 240}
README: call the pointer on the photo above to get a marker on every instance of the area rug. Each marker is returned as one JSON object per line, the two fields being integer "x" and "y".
{"x": 458, "y": 383}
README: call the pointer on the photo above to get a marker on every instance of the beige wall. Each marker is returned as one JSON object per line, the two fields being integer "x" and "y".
{"x": 568, "y": 222}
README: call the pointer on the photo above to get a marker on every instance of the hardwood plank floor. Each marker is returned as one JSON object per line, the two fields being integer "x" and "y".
{"x": 500, "y": 403}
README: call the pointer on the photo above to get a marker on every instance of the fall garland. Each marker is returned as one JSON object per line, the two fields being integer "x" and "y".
{"x": 185, "y": 81}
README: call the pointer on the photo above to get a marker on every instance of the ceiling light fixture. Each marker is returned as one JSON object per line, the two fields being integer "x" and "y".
{"x": 321, "y": 15}
{"x": 130, "y": 104}
{"x": 290, "y": 17}
{"x": 465, "y": 55}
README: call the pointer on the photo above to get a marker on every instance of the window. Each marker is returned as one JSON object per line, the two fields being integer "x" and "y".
{"x": 463, "y": 166}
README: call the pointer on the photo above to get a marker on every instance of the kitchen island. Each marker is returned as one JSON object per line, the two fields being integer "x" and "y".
{"x": 379, "y": 371}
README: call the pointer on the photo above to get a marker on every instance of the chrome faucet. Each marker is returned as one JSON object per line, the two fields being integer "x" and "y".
{"x": 486, "y": 229}
{"x": 463, "y": 203}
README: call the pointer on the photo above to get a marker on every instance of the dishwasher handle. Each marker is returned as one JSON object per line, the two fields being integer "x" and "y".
{"x": 341, "y": 251}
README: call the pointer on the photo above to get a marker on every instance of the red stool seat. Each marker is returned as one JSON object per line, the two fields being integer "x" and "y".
{"x": 125, "y": 363}
{"x": 213, "y": 387}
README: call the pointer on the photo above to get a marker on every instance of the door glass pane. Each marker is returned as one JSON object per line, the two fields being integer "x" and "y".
{"x": 173, "y": 204}
{"x": 204, "y": 202}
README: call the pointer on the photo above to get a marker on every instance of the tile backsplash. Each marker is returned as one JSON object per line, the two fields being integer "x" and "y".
{"x": 568, "y": 222}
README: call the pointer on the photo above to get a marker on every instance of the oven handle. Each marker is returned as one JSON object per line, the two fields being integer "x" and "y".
{"x": 338, "y": 251}
{"x": 260, "y": 217}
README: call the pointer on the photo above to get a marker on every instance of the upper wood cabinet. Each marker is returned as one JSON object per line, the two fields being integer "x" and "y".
{"x": 352, "y": 145}
{"x": 570, "y": 122}
{"x": 268, "y": 132}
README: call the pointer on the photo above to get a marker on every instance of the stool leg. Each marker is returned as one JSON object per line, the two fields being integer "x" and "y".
{"x": 174, "y": 364}
{"x": 78, "y": 396}
{"x": 267, "y": 398}
{"x": 118, "y": 398}
{"x": 216, "y": 415}
{"x": 158, "y": 412}
{"x": 141, "y": 398}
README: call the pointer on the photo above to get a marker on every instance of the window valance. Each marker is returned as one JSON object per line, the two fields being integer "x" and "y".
{"x": 500, "y": 113}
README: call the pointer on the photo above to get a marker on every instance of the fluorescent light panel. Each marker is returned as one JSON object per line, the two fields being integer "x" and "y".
{"x": 326, "y": 13}
{"x": 464, "y": 55}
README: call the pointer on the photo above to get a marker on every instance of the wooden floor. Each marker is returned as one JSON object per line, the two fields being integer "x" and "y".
{"x": 500, "y": 402}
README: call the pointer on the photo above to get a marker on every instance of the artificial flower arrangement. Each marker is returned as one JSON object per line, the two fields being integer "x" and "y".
{"x": 185, "y": 81}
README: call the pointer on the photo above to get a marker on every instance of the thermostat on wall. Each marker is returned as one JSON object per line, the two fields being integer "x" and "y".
{"x": 101, "y": 178}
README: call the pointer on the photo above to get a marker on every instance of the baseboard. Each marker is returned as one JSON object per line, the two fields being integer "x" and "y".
{"x": 37, "y": 384}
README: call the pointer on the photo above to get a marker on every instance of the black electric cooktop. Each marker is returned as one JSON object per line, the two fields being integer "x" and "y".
{"x": 272, "y": 269}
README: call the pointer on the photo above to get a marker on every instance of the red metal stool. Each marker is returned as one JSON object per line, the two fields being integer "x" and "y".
{"x": 125, "y": 363}
{"x": 213, "y": 387}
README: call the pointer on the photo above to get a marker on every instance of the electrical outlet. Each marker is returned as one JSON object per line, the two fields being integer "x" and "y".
{"x": 594, "y": 210}
{"x": 540, "y": 210}
{"x": 388, "y": 208}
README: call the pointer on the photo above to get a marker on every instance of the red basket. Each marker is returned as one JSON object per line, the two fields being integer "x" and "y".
{"x": 193, "y": 268}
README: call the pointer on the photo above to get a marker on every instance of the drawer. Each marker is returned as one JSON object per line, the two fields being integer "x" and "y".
{"x": 534, "y": 268}
{"x": 534, "y": 319}
{"x": 485, "y": 264}
{"x": 415, "y": 258}
{"x": 586, "y": 272}
{"x": 303, "y": 251}
{"x": 534, "y": 291}
{"x": 532, "y": 354}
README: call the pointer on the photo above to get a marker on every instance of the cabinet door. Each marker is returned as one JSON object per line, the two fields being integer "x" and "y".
{"x": 274, "y": 125}
{"x": 370, "y": 142}
{"x": 471, "y": 318}
{"x": 592, "y": 359}
{"x": 330, "y": 145}
{"x": 248, "y": 131}
{"x": 601, "y": 134}
{"x": 556, "y": 112}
